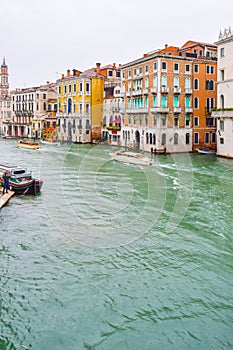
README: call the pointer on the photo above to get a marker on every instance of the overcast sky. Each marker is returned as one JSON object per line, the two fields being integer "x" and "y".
{"x": 41, "y": 39}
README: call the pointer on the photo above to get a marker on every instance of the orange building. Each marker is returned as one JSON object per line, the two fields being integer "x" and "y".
{"x": 160, "y": 97}
{"x": 204, "y": 92}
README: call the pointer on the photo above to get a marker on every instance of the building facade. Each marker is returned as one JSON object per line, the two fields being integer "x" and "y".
{"x": 30, "y": 106}
{"x": 5, "y": 99}
{"x": 158, "y": 104}
{"x": 224, "y": 112}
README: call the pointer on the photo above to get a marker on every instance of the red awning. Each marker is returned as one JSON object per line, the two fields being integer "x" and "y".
{"x": 118, "y": 120}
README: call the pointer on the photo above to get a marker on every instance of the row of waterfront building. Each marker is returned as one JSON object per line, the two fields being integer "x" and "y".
{"x": 178, "y": 98}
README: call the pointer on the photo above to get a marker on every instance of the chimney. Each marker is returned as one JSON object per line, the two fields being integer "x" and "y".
{"x": 62, "y": 76}
{"x": 98, "y": 68}
{"x": 68, "y": 72}
{"x": 114, "y": 65}
{"x": 47, "y": 82}
{"x": 145, "y": 55}
{"x": 166, "y": 45}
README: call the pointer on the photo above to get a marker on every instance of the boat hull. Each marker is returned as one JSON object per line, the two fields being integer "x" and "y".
{"x": 131, "y": 158}
{"x": 28, "y": 145}
{"x": 31, "y": 187}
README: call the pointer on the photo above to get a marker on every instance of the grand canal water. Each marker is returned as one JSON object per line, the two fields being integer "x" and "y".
{"x": 116, "y": 257}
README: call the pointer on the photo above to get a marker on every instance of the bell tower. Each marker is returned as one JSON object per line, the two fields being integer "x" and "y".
{"x": 4, "y": 84}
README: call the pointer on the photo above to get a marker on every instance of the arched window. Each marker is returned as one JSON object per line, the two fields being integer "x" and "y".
{"x": 164, "y": 101}
{"x": 151, "y": 139}
{"x": 146, "y": 83}
{"x": 176, "y": 137}
{"x": 196, "y": 103}
{"x": 154, "y": 139}
{"x": 176, "y": 82}
{"x": 222, "y": 101}
{"x": 164, "y": 80}
{"x": 187, "y": 102}
{"x": 196, "y": 84}
{"x": 155, "y": 101}
{"x": 163, "y": 139}
{"x": 155, "y": 81}
{"x": 187, "y": 83}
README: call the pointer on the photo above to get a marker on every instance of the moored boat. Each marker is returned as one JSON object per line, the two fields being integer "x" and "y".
{"x": 204, "y": 150}
{"x": 131, "y": 158}
{"x": 28, "y": 144}
{"x": 21, "y": 181}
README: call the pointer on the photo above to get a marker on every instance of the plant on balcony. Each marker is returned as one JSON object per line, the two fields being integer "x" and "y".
{"x": 114, "y": 127}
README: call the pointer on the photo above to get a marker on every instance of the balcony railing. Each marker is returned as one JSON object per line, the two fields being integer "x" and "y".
{"x": 137, "y": 92}
{"x": 137, "y": 110}
{"x": 145, "y": 91}
{"x": 159, "y": 110}
{"x": 188, "y": 110}
{"x": 177, "y": 90}
{"x": 188, "y": 91}
{"x": 165, "y": 89}
{"x": 177, "y": 110}
{"x": 154, "y": 90}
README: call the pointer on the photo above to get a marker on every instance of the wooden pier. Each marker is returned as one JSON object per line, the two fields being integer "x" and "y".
{"x": 4, "y": 198}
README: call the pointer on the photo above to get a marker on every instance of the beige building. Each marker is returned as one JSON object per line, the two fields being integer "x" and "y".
{"x": 30, "y": 106}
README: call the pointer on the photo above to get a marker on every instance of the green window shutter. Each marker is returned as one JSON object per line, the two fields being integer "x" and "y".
{"x": 187, "y": 118}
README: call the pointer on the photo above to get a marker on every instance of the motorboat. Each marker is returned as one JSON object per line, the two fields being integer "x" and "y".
{"x": 204, "y": 150}
{"x": 53, "y": 143}
{"x": 131, "y": 158}
{"x": 21, "y": 181}
{"x": 28, "y": 144}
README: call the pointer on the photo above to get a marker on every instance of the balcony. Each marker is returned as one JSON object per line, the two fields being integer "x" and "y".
{"x": 165, "y": 89}
{"x": 137, "y": 92}
{"x": 159, "y": 110}
{"x": 188, "y": 110}
{"x": 128, "y": 93}
{"x": 177, "y": 90}
{"x": 154, "y": 90}
{"x": 177, "y": 110}
{"x": 188, "y": 91}
{"x": 145, "y": 91}
{"x": 140, "y": 110}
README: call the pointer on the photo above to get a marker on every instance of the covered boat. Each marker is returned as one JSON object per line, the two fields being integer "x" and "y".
{"x": 28, "y": 144}
{"x": 205, "y": 151}
{"x": 21, "y": 181}
{"x": 131, "y": 158}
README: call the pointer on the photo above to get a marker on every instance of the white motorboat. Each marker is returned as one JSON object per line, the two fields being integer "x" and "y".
{"x": 54, "y": 143}
{"x": 131, "y": 158}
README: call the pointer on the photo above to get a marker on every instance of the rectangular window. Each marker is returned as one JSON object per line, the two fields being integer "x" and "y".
{"x": 176, "y": 121}
{"x": 207, "y": 69}
{"x": 81, "y": 87}
{"x": 222, "y": 52}
{"x": 147, "y": 69}
{"x": 74, "y": 87}
{"x": 135, "y": 71}
{"x": 164, "y": 66}
{"x": 129, "y": 73}
{"x": 110, "y": 73}
{"x": 65, "y": 89}
{"x": 207, "y": 137}
{"x": 212, "y": 69}
{"x": 187, "y": 68}
{"x": 196, "y": 138}
{"x": 196, "y": 68}
{"x": 176, "y": 67}
{"x": 222, "y": 125}
{"x": 213, "y": 137}
{"x": 164, "y": 121}
{"x": 155, "y": 65}
{"x": 209, "y": 85}
{"x": 221, "y": 140}
{"x": 196, "y": 121}
{"x": 87, "y": 87}
{"x": 140, "y": 70}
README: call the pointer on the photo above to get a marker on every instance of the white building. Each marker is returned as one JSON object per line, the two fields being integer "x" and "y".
{"x": 224, "y": 112}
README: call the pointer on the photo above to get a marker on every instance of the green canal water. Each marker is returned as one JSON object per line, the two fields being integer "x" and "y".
{"x": 114, "y": 257}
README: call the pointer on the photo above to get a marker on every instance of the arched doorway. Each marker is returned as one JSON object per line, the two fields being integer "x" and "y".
{"x": 137, "y": 140}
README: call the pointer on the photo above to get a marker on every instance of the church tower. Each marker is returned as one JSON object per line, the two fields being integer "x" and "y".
{"x": 4, "y": 84}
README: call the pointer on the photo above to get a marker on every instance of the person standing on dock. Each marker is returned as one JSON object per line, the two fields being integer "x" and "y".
{"x": 6, "y": 178}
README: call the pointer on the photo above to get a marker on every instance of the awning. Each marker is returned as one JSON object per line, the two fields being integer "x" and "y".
{"x": 118, "y": 120}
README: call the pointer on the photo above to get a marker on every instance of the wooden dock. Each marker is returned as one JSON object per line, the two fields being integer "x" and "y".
{"x": 4, "y": 198}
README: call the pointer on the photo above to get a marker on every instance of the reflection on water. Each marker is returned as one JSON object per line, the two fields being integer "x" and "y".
{"x": 115, "y": 256}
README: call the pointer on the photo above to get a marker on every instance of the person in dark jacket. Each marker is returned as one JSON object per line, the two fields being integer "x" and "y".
{"x": 6, "y": 178}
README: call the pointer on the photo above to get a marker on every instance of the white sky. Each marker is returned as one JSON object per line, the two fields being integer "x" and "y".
{"x": 41, "y": 39}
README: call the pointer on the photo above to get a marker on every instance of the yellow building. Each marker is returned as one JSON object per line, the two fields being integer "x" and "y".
{"x": 80, "y": 105}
